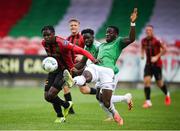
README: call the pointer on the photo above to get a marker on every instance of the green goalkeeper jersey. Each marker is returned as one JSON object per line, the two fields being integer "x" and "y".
{"x": 110, "y": 52}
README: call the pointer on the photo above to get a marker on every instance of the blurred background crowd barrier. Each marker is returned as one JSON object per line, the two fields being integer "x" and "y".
{"x": 21, "y": 52}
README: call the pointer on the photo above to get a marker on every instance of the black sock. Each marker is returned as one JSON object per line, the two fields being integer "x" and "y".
{"x": 92, "y": 91}
{"x": 56, "y": 102}
{"x": 68, "y": 97}
{"x": 164, "y": 89}
{"x": 60, "y": 102}
{"x": 147, "y": 92}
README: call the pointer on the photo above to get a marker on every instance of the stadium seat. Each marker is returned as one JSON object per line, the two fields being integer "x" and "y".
{"x": 11, "y": 12}
{"x": 177, "y": 43}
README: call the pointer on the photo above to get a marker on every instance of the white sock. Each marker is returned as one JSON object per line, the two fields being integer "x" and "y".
{"x": 105, "y": 109}
{"x": 112, "y": 108}
{"x": 79, "y": 80}
{"x": 118, "y": 98}
{"x": 149, "y": 102}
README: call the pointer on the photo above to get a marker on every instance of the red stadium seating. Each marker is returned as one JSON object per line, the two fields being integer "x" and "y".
{"x": 10, "y": 12}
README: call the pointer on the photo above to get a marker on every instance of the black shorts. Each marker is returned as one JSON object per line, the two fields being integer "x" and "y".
{"x": 55, "y": 79}
{"x": 151, "y": 70}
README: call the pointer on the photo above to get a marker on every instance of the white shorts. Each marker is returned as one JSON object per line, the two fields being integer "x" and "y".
{"x": 103, "y": 76}
{"x": 116, "y": 79}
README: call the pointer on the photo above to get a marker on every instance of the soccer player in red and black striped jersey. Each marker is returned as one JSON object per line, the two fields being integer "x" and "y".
{"x": 77, "y": 39}
{"x": 60, "y": 49}
{"x": 153, "y": 49}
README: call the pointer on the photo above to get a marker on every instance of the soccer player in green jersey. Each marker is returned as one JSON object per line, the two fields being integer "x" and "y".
{"x": 92, "y": 46}
{"x": 104, "y": 72}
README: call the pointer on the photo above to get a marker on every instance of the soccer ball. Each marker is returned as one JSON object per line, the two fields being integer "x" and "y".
{"x": 49, "y": 64}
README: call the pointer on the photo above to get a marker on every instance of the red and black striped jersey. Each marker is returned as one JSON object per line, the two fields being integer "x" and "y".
{"x": 76, "y": 40}
{"x": 152, "y": 48}
{"x": 62, "y": 50}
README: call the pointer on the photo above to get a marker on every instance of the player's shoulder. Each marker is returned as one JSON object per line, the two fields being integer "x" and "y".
{"x": 97, "y": 44}
{"x": 120, "y": 40}
{"x": 143, "y": 41}
{"x": 62, "y": 41}
{"x": 156, "y": 40}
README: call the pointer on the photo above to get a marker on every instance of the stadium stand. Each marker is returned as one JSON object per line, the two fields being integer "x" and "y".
{"x": 42, "y": 12}
{"x": 119, "y": 17}
{"x": 7, "y": 15}
{"x": 91, "y": 14}
{"x": 20, "y": 31}
{"x": 165, "y": 20}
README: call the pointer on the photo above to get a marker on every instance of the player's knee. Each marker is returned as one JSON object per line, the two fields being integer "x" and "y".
{"x": 88, "y": 76}
{"x": 49, "y": 97}
{"x": 147, "y": 82}
{"x": 160, "y": 84}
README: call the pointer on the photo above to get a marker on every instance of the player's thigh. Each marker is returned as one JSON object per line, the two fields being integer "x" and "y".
{"x": 107, "y": 78}
{"x": 49, "y": 81}
{"x": 106, "y": 75}
{"x": 93, "y": 72}
{"x": 59, "y": 81}
{"x": 157, "y": 72}
{"x": 147, "y": 75}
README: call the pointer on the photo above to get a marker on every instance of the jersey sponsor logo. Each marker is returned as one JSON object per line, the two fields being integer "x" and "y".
{"x": 65, "y": 43}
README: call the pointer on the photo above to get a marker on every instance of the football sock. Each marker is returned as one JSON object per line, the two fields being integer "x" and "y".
{"x": 79, "y": 80}
{"x": 105, "y": 109}
{"x": 92, "y": 91}
{"x": 164, "y": 89}
{"x": 147, "y": 92}
{"x": 68, "y": 97}
{"x": 57, "y": 102}
{"x": 118, "y": 98}
{"x": 112, "y": 108}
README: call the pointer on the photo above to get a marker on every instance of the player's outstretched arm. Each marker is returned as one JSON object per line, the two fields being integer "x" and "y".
{"x": 81, "y": 51}
{"x": 132, "y": 34}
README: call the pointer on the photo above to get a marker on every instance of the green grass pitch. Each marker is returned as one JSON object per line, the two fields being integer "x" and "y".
{"x": 25, "y": 109}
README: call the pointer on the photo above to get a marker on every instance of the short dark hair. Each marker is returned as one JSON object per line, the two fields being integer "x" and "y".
{"x": 90, "y": 31}
{"x": 48, "y": 27}
{"x": 149, "y": 25}
{"x": 75, "y": 20}
{"x": 116, "y": 29}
